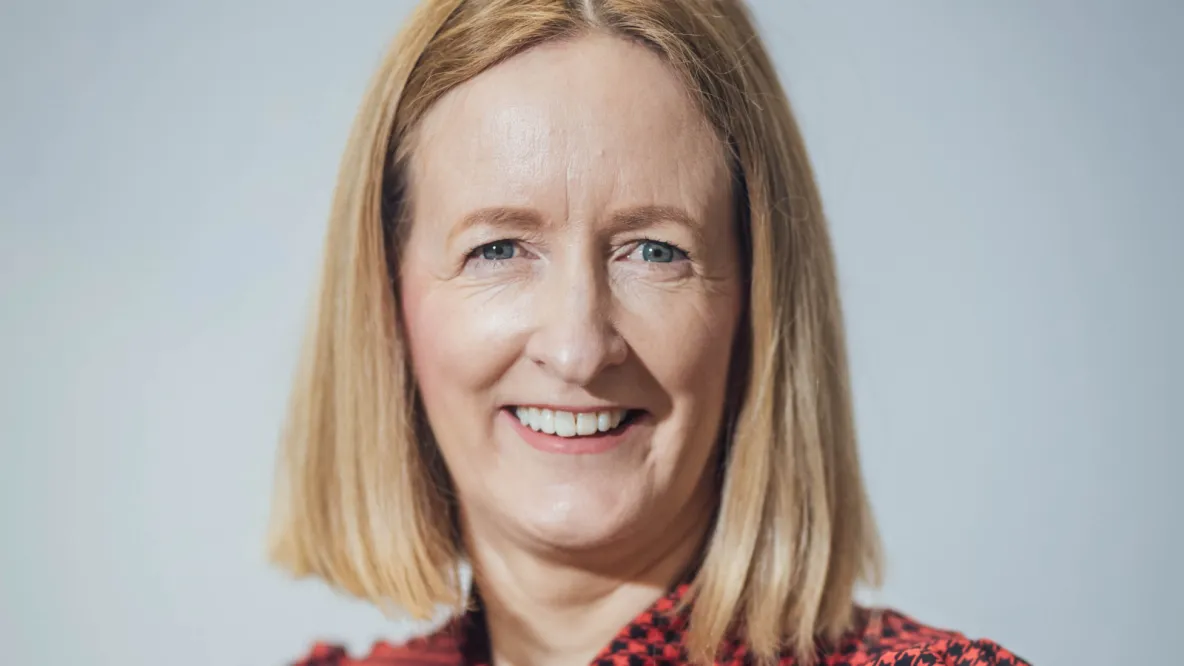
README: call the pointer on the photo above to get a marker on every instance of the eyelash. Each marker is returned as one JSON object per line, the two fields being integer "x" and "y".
{"x": 474, "y": 253}
{"x": 686, "y": 256}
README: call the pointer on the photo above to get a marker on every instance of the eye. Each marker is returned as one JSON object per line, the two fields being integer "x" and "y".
{"x": 497, "y": 250}
{"x": 659, "y": 252}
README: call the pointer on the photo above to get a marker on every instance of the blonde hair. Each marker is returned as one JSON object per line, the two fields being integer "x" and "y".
{"x": 362, "y": 498}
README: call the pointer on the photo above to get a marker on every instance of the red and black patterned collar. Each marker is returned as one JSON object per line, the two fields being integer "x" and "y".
{"x": 655, "y": 637}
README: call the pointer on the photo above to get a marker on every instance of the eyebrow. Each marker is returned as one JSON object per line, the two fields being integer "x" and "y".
{"x": 629, "y": 219}
{"x": 504, "y": 217}
{"x": 641, "y": 217}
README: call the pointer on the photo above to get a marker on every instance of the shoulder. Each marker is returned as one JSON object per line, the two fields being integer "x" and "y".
{"x": 888, "y": 637}
{"x": 439, "y": 649}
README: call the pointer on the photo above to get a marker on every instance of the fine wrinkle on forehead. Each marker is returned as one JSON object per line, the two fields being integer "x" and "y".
{"x": 569, "y": 128}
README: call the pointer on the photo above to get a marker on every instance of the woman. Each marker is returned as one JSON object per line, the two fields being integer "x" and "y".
{"x": 579, "y": 331}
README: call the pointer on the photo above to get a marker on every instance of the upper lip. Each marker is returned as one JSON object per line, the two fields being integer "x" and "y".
{"x": 578, "y": 409}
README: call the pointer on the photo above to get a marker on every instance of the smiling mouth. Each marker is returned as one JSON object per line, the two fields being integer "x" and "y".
{"x": 574, "y": 425}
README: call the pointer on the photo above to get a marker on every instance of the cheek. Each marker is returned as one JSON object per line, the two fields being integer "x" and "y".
{"x": 686, "y": 344}
{"x": 460, "y": 344}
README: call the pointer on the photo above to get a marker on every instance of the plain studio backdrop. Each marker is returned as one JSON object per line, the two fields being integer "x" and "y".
{"x": 1004, "y": 184}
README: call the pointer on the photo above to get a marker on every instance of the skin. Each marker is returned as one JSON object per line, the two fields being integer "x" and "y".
{"x": 589, "y": 163}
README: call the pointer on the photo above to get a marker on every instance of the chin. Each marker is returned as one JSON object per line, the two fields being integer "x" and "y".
{"x": 578, "y": 521}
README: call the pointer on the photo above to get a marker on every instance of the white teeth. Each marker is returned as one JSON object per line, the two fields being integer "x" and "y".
{"x": 547, "y": 421}
{"x": 604, "y": 421}
{"x": 585, "y": 424}
{"x": 569, "y": 424}
{"x": 565, "y": 424}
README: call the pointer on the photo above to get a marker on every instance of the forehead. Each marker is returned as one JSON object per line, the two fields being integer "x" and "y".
{"x": 596, "y": 121}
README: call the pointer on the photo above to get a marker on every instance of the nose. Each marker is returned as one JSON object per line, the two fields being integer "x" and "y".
{"x": 575, "y": 338}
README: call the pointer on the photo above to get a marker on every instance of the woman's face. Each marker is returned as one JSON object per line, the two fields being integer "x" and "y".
{"x": 570, "y": 292}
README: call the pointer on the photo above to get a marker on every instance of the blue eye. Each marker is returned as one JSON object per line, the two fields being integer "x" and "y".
{"x": 661, "y": 253}
{"x": 498, "y": 251}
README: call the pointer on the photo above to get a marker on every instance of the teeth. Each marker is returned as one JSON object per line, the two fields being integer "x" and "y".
{"x": 585, "y": 424}
{"x": 547, "y": 421}
{"x": 565, "y": 424}
{"x": 604, "y": 421}
{"x": 569, "y": 424}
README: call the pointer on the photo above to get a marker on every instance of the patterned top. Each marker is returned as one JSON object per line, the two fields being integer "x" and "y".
{"x": 655, "y": 638}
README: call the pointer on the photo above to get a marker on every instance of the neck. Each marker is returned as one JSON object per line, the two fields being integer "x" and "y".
{"x": 562, "y": 609}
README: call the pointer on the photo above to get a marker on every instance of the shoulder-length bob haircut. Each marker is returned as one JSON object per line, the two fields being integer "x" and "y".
{"x": 362, "y": 501}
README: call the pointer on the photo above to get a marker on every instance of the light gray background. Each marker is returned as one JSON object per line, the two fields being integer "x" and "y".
{"x": 1003, "y": 180}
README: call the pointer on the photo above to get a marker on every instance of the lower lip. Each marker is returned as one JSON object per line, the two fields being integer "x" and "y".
{"x": 586, "y": 444}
